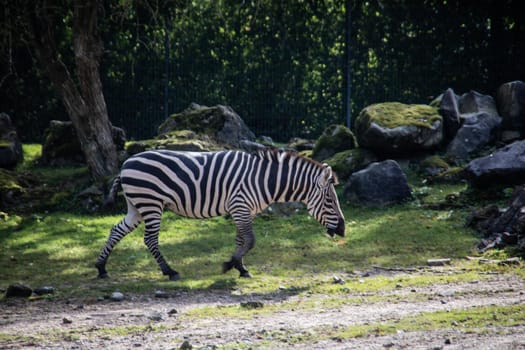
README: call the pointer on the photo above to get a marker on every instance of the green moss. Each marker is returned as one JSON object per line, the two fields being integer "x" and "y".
{"x": 9, "y": 182}
{"x": 434, "y": 162}
{"x": 183, "y": 140}
{"x": 395, "y": 114}
{"x": 346, "y": 162}
{"x": 336, "y": 137}
{"x": 200, "y": 119}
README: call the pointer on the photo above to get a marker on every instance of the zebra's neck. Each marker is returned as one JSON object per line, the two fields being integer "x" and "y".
{"x": 291, "y": 177}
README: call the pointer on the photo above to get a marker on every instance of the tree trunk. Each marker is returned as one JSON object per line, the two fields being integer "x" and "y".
{"x": 84, "y": 102}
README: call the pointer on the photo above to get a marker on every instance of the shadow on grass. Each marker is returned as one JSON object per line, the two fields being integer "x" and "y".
{"x": 61, "y": 249}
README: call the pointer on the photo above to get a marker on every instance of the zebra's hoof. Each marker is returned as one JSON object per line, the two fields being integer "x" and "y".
{"x": 245, "y": 274}
{"x": 227, "y": 266}
{"x": 103, "y": 275}
{"x": 175, "y": 277}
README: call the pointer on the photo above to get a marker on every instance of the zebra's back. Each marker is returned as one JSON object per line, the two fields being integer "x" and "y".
{"x": 192, "y": 184}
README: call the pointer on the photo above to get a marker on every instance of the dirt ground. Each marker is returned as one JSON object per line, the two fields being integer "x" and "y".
{"x": 163, "y": 323}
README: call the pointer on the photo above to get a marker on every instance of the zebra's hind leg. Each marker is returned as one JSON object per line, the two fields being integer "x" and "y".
{"x": 151, "y": 239}
{"x": 245, "y": 241}
{"x": 125, "y": 226}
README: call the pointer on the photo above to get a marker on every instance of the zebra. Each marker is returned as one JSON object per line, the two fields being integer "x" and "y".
{"x": 208, "y": 184}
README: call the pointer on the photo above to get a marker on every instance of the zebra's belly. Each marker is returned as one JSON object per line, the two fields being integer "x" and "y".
{"x": 197, "y": 211}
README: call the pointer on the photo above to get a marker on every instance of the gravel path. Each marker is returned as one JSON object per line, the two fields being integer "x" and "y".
{"x": 164, "y": 323}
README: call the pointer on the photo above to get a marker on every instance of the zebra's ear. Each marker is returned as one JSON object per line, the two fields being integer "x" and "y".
{"x": 327, "y": 176}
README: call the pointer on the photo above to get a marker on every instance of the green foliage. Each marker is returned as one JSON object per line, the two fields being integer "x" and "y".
{"x": 278, "y": 64}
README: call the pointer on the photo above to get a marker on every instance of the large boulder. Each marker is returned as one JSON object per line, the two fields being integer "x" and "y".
{"x": 61, "y": 145}
{"x": 474, "y": 102}
{"x": 335, "y": 138}
{"x": 510, "y": 98}
{"x": 381, "y": 183}
{"x": 179, "y": 140}
{"x": 347, "y": 162}
{"x": 449, "y": 110}
{"x": 394, "y": 128}
{"x": 506, "y": 166}
{"x": 11, "y": 152}
{"x": 478, "y": 130}
{"x": 219, "y": 122}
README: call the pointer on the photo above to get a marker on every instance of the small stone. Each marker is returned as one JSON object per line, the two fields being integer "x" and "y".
{"x": 438, "y": 262}
{"x": 161, "y": 294}
{"x": 155, "y": 317}
{"x": 117, "y": 296}
{"x": 18, "y": 291}
{"x": 252, "y": 305}
{"x": 338, "y": 280}
{"x": 186, "y": 346}
{"x": 44, "y": 290}
{"x": 172, "y": 312}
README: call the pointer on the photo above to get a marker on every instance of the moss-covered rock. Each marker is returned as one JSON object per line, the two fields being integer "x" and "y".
{"x": 300, "y": 144}
{"x": 61, "y": 145}
{"x": 394, "y": 128}
{"x": 347, "y": 162}
{"x": 335, "y": 138}
{"x": 177, "y": 140}
{"x": 219, "y": 122}
{"x": 10, "y": 146}
{"x": 10, "y": 187}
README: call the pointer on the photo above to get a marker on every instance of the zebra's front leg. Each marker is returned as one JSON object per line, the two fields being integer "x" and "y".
{"x": 151, "y": 239}
{"x": 245, "y": 241}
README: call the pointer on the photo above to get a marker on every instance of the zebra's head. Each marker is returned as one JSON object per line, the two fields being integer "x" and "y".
{"x": 323, "y": 204}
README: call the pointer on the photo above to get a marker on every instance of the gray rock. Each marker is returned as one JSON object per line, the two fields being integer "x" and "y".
{"x": 44, "y": 290}
{"x": 511, "y": 102}
{"x": 399, "y": 129}
{"x": 18, "y": 291}
{"x": 61, "y": 145}
{"x": 116, "y": 296}
{"x": 300, "y": 144}
{"x": 380, "y": 184}
{"x": 220, "y": 122}
{"x": 505, "y": 166}
{"x": 478, "y": 130}
{"x": 335, "y": 138}
{"x": 161, "y": 294}
{"x": 11, "y": 152}
{"x": 252, "y": 147}
{"x": 449, "y": 110}
{"x": 474, "y": 102}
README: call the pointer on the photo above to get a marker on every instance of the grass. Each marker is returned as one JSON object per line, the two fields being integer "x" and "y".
{"x": 293, "y": 261}
{"x": 59, "y": 248}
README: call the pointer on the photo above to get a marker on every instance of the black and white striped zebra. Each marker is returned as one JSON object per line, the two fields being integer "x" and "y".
{"x": 208, "y": 184}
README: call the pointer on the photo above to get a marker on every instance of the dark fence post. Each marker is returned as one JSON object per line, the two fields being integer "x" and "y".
{"x": 166, "y": 69}
{"x": 347, "y": 105}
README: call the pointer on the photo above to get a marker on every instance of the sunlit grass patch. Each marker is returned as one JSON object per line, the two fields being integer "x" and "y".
{"x": 60, "y": 248}
{"x": 472, "y": 320}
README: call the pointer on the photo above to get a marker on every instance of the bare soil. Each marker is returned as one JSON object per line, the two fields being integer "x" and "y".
{"x": 148, "y": 322}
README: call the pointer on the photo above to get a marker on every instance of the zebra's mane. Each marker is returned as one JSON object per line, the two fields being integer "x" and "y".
{"x": 279, "y": 154}
{"x": 284, "y": 154}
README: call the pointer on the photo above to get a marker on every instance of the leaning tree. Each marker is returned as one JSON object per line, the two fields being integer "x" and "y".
{"x": 64, "y": 38}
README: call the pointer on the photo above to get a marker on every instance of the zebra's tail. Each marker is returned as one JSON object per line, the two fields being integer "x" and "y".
{"x": 112, "y": 195}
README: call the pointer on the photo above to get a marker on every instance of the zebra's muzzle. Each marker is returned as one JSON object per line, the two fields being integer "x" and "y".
{"x": 339, "y": 230}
